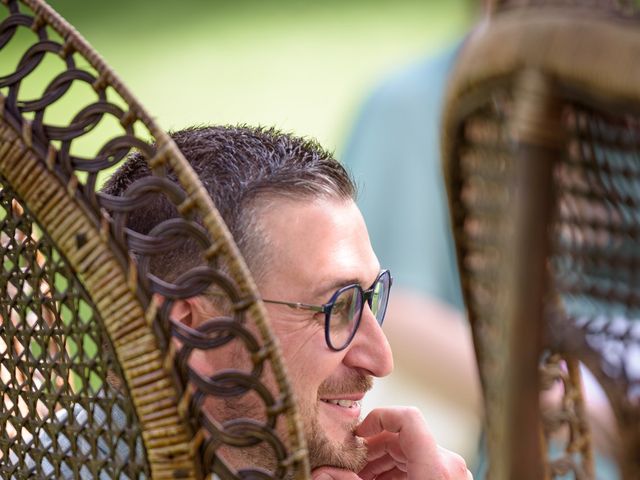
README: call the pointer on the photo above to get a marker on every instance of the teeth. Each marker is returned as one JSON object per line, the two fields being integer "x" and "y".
{"x": 344, "y": 403}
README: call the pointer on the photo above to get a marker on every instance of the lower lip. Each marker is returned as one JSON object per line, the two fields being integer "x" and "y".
{"x": 349, "y": 411}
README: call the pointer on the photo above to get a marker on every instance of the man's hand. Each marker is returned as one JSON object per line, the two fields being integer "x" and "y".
{"x": 332, "y": 473}
{"x": 400, "y": 447}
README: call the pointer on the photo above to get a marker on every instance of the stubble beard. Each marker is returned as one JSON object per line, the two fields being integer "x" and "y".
{"x": 349, "y": 454}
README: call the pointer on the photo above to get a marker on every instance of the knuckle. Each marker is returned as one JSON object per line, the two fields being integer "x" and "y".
{"x": 454, "y": 465}
{"x": 412, "y": 412}
{"x": 459, "y": 462}
{"x": 458, "y": 467}
{"x": 440, "y": 472}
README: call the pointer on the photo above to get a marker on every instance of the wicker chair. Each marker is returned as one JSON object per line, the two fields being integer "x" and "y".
{"x": 541, "y": 152}
{"x": 92, "y": 384}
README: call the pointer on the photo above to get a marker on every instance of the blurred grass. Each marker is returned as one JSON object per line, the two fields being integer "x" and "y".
{"x": 300, "y": 65}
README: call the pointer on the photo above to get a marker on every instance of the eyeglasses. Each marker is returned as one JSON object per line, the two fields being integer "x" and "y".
{"x": 343, "y": 312}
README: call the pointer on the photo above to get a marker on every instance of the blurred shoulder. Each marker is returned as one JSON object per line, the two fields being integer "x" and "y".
{"x": 422, "y": 79}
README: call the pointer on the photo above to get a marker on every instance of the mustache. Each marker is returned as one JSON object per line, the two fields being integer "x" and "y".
{"x": 352, "y": 384}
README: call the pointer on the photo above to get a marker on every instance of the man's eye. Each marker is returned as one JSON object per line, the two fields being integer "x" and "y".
{"x": 340, "y": 307}
{"x": 343, "y": 312}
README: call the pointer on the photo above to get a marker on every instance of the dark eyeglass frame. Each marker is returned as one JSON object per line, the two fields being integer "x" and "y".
{"x": 365, "y": 296}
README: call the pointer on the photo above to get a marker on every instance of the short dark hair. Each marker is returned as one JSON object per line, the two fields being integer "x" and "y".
{"x": 238, "y": 165}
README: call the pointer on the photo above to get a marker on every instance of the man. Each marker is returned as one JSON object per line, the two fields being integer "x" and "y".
{"x": 290, "y": 207}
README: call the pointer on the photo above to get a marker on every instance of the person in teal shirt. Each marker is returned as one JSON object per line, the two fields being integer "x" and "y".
{"x": 395, "y": 147}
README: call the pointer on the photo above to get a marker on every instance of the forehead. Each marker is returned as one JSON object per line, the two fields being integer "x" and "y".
{"x": 314, "y": 245}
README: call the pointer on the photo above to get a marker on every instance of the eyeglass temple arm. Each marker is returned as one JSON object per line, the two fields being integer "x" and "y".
{"x": 299, "y": 306}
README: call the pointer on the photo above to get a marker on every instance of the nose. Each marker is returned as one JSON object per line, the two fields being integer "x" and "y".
{"x": 369, "y": 350}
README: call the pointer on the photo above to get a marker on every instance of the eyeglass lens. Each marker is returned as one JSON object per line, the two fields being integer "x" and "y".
{"x": 344, "y": 316}
{"x": 347, "y": 309}
{"x": 380, "y": 297}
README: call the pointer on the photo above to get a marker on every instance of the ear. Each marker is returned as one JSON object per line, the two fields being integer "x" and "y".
{"x": 181, "y": 312}
{"x": 193, "y": 311}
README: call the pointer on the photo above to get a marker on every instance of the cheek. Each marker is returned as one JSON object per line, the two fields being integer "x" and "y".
{"x": 308, "y": 367}
{"x": 300, "y": 339}
{"x": 303, "y": 360}
{"x": 308, "y": 360}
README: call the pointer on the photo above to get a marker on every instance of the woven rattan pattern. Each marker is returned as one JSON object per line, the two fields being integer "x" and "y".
{"x": 486, "y": 192}
{"x": 485, "y": 228}
{"x": 167, "y": 393}
{"x": 597, "y": 254}
{"x": 591, "y": 306}
{"x": 54, "y": 361}
{"x": 566, "y": 422}
{"x": 593, "y": 302}
{"x": 622, "y": 8}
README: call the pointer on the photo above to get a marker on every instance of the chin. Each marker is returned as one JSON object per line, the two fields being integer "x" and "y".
{"x": 340, "y": 434}
{"x": 333, "y": 443}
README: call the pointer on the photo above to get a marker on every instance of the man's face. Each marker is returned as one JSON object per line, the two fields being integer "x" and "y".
{"x": 314, "y": 248}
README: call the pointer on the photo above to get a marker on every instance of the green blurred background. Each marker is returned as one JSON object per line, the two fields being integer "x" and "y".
{"x": 301, "y": 65}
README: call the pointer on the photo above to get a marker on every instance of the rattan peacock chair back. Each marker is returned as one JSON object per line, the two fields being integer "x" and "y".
{"x": 95, "y": 378}
{"x": 541, "y": 152}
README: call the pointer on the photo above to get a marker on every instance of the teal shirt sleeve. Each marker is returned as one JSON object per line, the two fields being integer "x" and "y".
{"x": 393, "y": 153}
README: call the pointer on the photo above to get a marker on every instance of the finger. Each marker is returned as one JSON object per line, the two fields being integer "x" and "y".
{"x": 455, "y": 465}
{"x": 332, "y": 473}
{"x": 414, "y": 439}
{"x": 386, "y": 463}
{"x": 385, "y": 443}
{"x": 407, "y": 420}
{"x": 394, "y": 474}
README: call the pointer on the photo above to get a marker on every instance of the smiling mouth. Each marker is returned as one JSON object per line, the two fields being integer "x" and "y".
{"x": 343, "y": 403}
